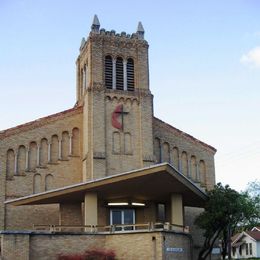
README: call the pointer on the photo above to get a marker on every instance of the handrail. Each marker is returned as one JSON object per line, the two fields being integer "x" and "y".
{"x": 150, "y": 226}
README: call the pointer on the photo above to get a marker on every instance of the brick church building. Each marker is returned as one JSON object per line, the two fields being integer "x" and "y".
{"x": 105, "y": 173}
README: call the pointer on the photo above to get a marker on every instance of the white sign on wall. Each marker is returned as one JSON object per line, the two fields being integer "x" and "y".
{"x": 174, "y": 249}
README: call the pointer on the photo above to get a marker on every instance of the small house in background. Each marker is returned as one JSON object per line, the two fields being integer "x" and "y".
{"x": 246, "y": 244}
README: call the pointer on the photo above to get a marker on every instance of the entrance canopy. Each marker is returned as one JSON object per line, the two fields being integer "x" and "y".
{"x": 155, "y": 183}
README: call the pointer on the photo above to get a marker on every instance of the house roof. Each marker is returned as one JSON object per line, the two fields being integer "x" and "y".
{"x": 236, "y": 239}
{"x": 185, "y": 135}
{"x": 255, "y": 229}
{"x": 40, "y": 122}
{"x": 254, "y": 234}
{"x": 154, "y": 183}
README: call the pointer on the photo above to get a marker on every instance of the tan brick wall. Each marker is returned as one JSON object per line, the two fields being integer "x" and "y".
{"x": 15, "y": 247}
{"x": 48, "y": 247}
{"x": 64, "y": 172}
{"x": 127, "y": 246}
{"x": 190, "y": 145}
{"x": 137, "y": 246}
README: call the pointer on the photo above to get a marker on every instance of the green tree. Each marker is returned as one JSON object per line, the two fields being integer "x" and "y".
{"x": 225, "y": 209}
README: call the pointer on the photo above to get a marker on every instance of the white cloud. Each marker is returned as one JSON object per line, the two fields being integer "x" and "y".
{"x": 252, "y": 57}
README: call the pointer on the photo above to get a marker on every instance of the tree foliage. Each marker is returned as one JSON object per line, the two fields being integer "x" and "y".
{"x": 225, "y": 209}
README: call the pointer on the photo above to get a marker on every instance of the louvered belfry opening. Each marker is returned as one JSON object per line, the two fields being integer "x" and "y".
{"x": 108, "y": 72}
{"x": 119, "y": 74}
{"x": 130, "y": 75}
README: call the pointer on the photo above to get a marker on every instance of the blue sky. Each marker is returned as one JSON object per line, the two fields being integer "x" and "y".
{"x": 204, "y": 67}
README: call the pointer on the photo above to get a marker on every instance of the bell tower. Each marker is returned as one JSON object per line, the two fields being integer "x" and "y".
{"x": 113, "y": 88}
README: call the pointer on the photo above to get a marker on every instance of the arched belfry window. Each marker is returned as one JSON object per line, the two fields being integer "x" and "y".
{"x": 130, "y": 74}
{"x": 119, "y": 74}
{"x": 108, "y": 72}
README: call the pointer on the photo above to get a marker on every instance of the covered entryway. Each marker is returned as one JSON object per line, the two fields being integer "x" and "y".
{"x": 130, "y": 198}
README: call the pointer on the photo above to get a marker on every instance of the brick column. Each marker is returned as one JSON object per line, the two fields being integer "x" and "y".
{"x": 90, "y": 209}
{"x": 176, "y": 209}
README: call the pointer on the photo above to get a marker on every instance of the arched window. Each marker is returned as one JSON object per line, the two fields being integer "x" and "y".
{"x": 202, "y": 171}
{"x": 108, "y": 72}
{"x": 157, "y": 149}
{"x": 130, "y": 74}
{"x": 37, "y": 183}
{"x": 75, "y": 141}
{"x": 54, "y": 149}
{"x": 193, "y": 168}
{"x": 32, "y": 156}
{"x": 21, "y": 159}
{"x": 65, "y": 145}
{"x": 175, "y": 159}
{"x": 119, "y": 74}
{"x": 184, "y": 163}
{"x": 49, "y": 182}
{"x": 166, "y": 152}
{"x": 44, "y": 152}
{"x": 116, "y": 143}
{"x": 10, "y": 161}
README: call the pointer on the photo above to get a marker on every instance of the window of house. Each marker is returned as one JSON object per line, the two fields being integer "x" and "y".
{"x": 246, "y": 249}
{"x": 250, "y": 249}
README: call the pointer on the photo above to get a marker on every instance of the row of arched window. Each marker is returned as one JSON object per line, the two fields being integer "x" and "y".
{"x": 119, "y": 73}
{"x": 42, "y": 153}
{"x": 41, "y": 184}
{"x": 189, "y": 166}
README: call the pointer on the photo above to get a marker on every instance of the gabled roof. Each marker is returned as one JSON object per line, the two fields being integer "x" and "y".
{"x": 185, "y": 135}
{"x": 254, "y": 235}
{"x": 40, "y": 122}
{"x": 255, "y": 229}
{"x": 151, "y": 183}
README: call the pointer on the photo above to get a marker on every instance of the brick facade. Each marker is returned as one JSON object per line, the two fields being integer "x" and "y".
{"x": 82, "y": 144}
